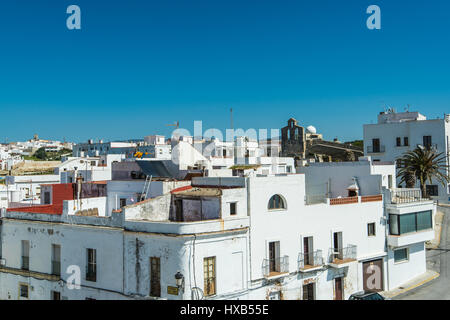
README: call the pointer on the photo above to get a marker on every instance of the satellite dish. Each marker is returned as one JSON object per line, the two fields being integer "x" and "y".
{"x": 311, "y": 129}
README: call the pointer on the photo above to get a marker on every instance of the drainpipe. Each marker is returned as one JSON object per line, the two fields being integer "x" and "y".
{"x": 249, "y": 281}
{"x": 385, "y": 217}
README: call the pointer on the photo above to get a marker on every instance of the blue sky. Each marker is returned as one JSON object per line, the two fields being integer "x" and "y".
{"x": 138, "y": 65}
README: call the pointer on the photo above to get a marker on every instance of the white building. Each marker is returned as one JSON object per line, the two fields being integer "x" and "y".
{"x": 396, "y": 133}
{"x": 257, "y": 237}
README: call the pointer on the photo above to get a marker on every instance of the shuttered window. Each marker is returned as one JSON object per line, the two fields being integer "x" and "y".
{"x": 209, "y": 271}
{"x": 155, "y": 277}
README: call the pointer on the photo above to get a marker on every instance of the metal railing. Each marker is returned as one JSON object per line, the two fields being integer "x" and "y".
{"x": 337, "y": 255}
{"x": 433, "y": 147}
{"x": 56, "y": 268}
{"x": 406, "y": 195}
{"x": 275, "y": 266}
{"x": 310, "y": 259}
{"x": 379, "y": 149}
{"x": 25, "y": 263}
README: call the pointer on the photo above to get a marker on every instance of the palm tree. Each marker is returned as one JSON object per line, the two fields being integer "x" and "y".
{"x": 423, "y": 165}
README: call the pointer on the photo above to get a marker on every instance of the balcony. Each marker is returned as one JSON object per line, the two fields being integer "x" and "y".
{"x": 274, "y": 268}
{"x": 410, "y": 227}
{"x": 410, "y": 238}
{"x": 406, "y": 195}
{"x": 310, "y": 261}
{"x": 376, "y": 149}
{"x": 433, "y": 147}
{"x": 341, "y": 257}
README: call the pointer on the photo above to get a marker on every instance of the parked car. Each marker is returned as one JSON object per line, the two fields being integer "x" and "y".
{"x": 367, "y": 295}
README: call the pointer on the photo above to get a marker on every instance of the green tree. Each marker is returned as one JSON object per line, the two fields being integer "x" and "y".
{"x": 423, "y": 165}
{"x": 41, "y": 154}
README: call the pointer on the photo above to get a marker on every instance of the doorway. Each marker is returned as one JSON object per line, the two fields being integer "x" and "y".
{"x": 338, "y": 288}
{"x": 308, "y": 251}
{"x": 337, "y": 246}
{"x": 373, "y": 275}
{"x": 308, "y": 291}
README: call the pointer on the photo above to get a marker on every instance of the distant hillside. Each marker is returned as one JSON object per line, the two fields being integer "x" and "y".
{"x": 356, "y": 143}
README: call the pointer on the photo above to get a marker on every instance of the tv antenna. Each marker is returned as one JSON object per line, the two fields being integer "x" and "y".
{"x": 176, "y": 125}
{"x": 231, "y": 118}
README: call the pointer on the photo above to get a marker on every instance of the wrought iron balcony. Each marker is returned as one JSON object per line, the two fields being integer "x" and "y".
{"x": 376, "y": 149}
{"x": 275, "y": 267}
{"x": 339, "y": 256}
{"x": 310, "y": 260}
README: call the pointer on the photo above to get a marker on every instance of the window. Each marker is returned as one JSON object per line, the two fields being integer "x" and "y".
{"x": 276, "y": 202}
{"x": 375, "y": 145}
{"x": 399, "y": 141}
{"x": 91, "y": 268}
{"x": 23, "y": 290}
{"x": 123, "y": 202}
{"x": 411, "y": 222}
{"x": 25, "y": 255}
{"x": 209, "y": 274}
{"x": 432, "y": 190}
{"x": 56, "y": 259}
{"x": 427, "y": 142}
{"x": 56, "y": 295}
{"x": 401, "y": 255}
{"x": 155, "y": 277}
{"x": 47, "y": 197}
{"x": 233, "y": 208}
{"x": 371, "y": 229}
{"x": 405, "y": 141}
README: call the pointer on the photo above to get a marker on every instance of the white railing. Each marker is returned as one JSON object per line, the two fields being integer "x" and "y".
{"x": 406, "y": 195}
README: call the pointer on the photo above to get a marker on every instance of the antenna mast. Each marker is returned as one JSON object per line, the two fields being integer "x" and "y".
{"x": 231, "y": 118}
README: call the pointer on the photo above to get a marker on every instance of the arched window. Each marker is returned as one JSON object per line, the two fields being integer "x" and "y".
{"x": 276, "y": 202}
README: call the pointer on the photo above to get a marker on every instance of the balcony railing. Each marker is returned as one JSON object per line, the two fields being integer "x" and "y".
{"x": 342, "y": 255}
{"x": 56, "y": 268}
{"x": 433, "y": 147}
{"x": 310, "y": 260}
{"x": 406, "y": 195}
{"x": 25, "y": 263}
{"x": 273, "y": 267}
{"x": 379, "y": 149}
